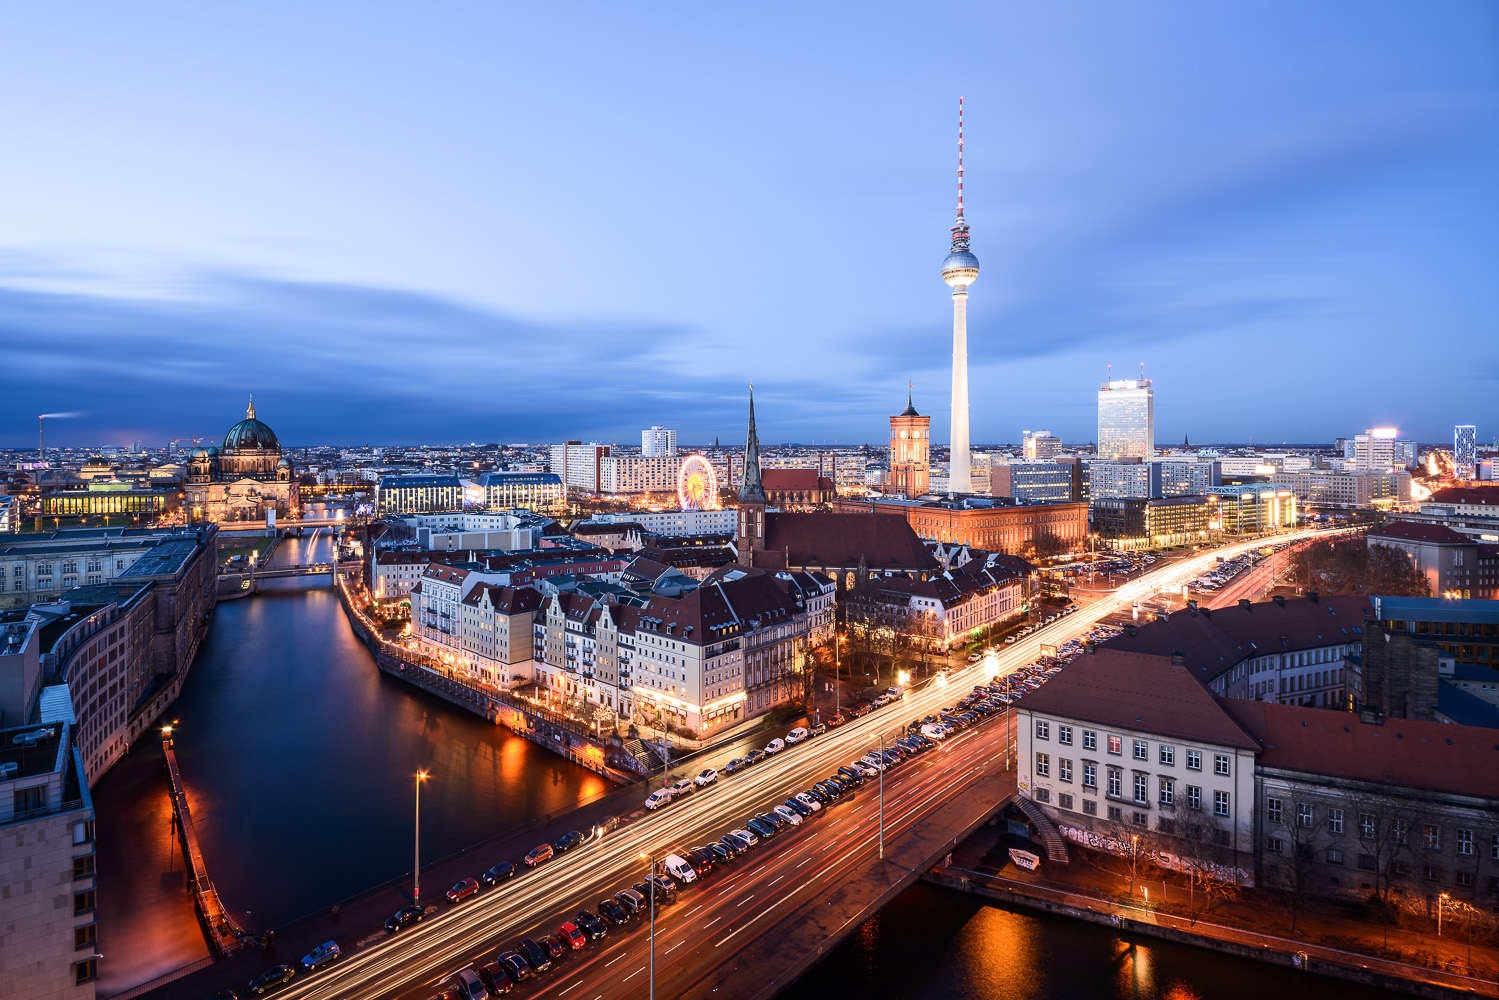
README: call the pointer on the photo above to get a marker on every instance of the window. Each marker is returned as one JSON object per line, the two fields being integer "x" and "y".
{"x": 1168, "y": 755}
{"x": 1465, "y": 879}
{"x": 1168, "y": 791}
{"x": 83, "y": 867}
{"x": 1064, "y": 769}
{"x": 1116, "y": 781}
{"x": 1334, "y": 855}
{"x": 1431, "y": 837}
{"x": 1431, "y": 873}
{"x": 1366, "y": 826}
{"x": 1142, "y": 788}
{"x": 86, "y": 971}
{"x": 28, "y": 800}
{"x": 1142, "y": 751}
{"x": 1273, "y": 810}
{"x": 1335, "y": 820}
{"x": 1220, "y": 803}
{"x": 1465, "y": 842}
{"x": 1043, "y": 730}
{"x": 1274, "y": 845}
{"x": 1043, "y": 795}
{"x": 1366, "y": 862}
{"x": 1116, "y": 745}
{"x": 1064, "y": 735}
{"x": 1090, "y": 740}
{"x": 1304, "y": 815}
{"x": 1220, "y": 763}
{"x": 1090, "y": 807}
{"x": 1494, "y": 847}
{"x": 1401, "y": 831}
{"x": 1194, "y": 797}
{"x": 83, "y": 902}
{"x": 1140, "y": 819}
{"x": 1064, "y": 800}
{"x": 1043, "y": 765}
{"x": 1194, "y": 760}
{"x": 85, "y": 936}
{"x": 1090, "y": 775}
{"x": 1116, "y": 814}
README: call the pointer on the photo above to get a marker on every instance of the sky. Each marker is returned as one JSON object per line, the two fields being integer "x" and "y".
{"x": 403, "y": 223}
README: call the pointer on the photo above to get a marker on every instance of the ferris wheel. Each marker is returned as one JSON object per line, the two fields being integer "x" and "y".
{"x": 697, "y": 486}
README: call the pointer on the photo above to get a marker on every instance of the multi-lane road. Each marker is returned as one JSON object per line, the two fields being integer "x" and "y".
{"x": 771, "y": 890}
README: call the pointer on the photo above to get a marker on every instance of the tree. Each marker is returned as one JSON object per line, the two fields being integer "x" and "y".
{"x": 1352, "y": 566}
{"x": 1384, "y": 826}
{"x": 1205, "y": 838}
{"x": 1295, "y": 835}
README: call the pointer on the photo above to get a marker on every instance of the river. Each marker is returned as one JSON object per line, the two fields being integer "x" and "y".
{"x": 298, "y": 757}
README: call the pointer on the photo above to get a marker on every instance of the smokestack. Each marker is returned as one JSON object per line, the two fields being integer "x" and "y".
{"x": 41, "y": 428}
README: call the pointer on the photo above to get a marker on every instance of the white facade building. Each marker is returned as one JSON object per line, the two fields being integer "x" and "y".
{"x": 675, "y": 522}
{"x": 658, "y": 442}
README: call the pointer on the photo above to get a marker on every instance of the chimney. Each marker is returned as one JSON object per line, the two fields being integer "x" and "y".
{"x": 1280, "y": 599}
{"x": 1090, "y": 647}
{"x": 1193, "y": 605}
{"x": 1244, "y": 603}
{"x": 1178, "y": 659}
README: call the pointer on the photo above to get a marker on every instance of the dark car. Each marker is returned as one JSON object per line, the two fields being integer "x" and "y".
{"x": 734, "y": 843}
{"x": 568, "y": 842}
{"x": 463, "y": 890}
{"x": 630, "y": 900}
{"x": 760, "y": 828}
{"x": 496, "y": 980}
{"x": 270, "y": 980}
{"x": 755, "y": 756}
{"x": 515, "y": 966}
{"x": 701, "y": 859}
{"x": 644, "y": 888}
{"x": 536, "y": 956}
{"x": 553, "y": 945}
{"x": 816, "y": 793}
{"x": 852, "y": 774}
{"x": 832, "y": 788}
{"x": 404, "y": 917}
{"x": 589, "y": 921}
{"x": 499, "y": 873}
{"x": 613, "y": 912}
{"x": 571, "y": 935}
{"x": 769, "y": 817}
{"x": 735, "y": 766}
{"x": 800, "y": 808}
{"x": 721, "y": 853}
{"x": 665, "y": 887}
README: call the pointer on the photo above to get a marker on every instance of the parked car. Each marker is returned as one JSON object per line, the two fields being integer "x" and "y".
{"x": 776, "y": 823}
{"x": 572, "y": 935}
{"x": 684, "y": 787}
{"x": 837, "y": 720}
{"x": 613, "y": 912}
{"x": 591, "y": 924}
{"x": 761, "y": 828}
{"x": 499, "y": 873}
{"x": 805, "y": 803}
{"x": 659, "y": 798}
{"x": 496, "y": 979}
{"x": 755, "y": 756}
{"x": 665, "y": 887}
{"x": 469, "y": 985}
{"x": 539, "y": 855}
{"x": 631, "y": 900}
{"x": 852, "y": 774}
{"x": 324, "y": 954}
{"x": 747, "y": 836}
{"x": 515, "y": 966}
{"x": 568, "y": 841}
{"x": 797, "y": 735}
{"x": 271, "y": 980}
{"x": 736, "y": 765}
{"x": 787, "y": 814}
{"x": 706, "y": 777}
{"x": 818, "y": 729}
{"x": 702, "y": 859}
{"x": 816, "y": 794}
{"x": 721, "y": 854}
{"x": 680, "y": 869}
{"x": 536, "y": 956}
{"x": 404, "y": 918}
{"x": 463, "y": 890}
{"x": 732, "y": 843}
{"x": 553, "y": 945}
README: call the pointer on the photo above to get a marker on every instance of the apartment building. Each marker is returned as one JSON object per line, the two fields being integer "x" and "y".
{"x": 1361, "y": 488}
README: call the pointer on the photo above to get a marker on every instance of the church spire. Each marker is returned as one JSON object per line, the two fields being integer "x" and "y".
{"x": 752, "y": 491}
{"x": 250, "y": 410}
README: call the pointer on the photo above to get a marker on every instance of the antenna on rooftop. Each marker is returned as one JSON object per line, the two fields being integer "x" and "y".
{"x": 960, "y": 161}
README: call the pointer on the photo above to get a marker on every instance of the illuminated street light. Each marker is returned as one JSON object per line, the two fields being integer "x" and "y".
{"x": 881, "y": 772}
{"x": 416, "y": 868}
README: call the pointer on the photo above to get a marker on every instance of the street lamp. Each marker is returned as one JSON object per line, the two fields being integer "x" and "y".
{"x": 1441, "y": 900}
{"x": 881, "y": 738}
{"x": 651, "y": 859}
{"x": 416, "y": 868}
{"x": 1134, "y": 858}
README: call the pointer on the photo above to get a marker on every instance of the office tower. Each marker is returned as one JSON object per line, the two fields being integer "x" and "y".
{"x": 959, "y": 271}
{"x": 658, "y": 442}
{"x": 1465, "y": 450}
{"x": 1380, "y": 448}
{"x": 1126, "y": 419}
{"x": 1040, "y": 445}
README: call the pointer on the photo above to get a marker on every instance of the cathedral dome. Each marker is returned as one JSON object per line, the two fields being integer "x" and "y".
{"x": 250, "y": 434}
{"x": 199, "y": 453}
{"x": 285, "y": 463}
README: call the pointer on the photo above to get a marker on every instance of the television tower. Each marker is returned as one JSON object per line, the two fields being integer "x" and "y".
{"x": 959, "y": 270}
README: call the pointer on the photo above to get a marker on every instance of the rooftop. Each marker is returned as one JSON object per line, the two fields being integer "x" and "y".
{"x": 34, "y": 750}
{"x": 1435, "y": 609}
{"x": 1414, "y": 531}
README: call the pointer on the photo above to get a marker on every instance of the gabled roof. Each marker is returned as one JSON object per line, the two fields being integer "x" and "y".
{"x": 1415, "y": 531}
{"x": 794, "y": 479}
{"x": 1138, "y": 692}
{"x": 1431, "y": 755}
{"x": 880, "y": 541}
{"x": 1213, "y": 641}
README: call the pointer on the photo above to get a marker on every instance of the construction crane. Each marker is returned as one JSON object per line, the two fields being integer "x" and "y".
{"x": 172, "y": 444}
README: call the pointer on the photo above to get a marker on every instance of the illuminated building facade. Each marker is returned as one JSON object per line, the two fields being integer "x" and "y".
{"x": 1137, "y": 523}
{"x": 1254, "y": 508}
{"x": 532, "y": 490}
{"x": 1040, "y": 445}
{"x": 107, "y": 497}
{"x": 1126, "y": 419}
{"x": 1014, "y": 527}
{"x": 1380, "y": 449}
{"x": 1465, "y": 451}
{"x": 246, "y": 479}
{"x": 910, "y": 452}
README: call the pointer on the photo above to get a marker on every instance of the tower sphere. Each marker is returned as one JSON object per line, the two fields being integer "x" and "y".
{"x": 960, "y": 268}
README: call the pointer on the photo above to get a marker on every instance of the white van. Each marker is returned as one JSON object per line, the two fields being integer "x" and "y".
{"x": 678, "y": 868}
{"x": 659, "y": 798}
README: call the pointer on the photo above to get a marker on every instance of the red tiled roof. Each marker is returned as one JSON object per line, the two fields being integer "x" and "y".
{"x": 882, "y": 541}
{"x": 1481, "y": 495}
{"x": 1139, "y": 692}
{"x": 792, "y": 479}
{"x": 1213, "y": 641}
{"x": 1431, "y": 755}
{"x": 1412, "y": 531}
{"x": 703, "y": 615}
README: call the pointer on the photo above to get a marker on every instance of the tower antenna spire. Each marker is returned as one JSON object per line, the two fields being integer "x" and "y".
{"x": 960, "y": 160}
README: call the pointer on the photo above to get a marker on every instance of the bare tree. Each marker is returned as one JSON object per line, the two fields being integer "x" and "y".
{"x": 1207, "y": 861}
{"x": 1384, "y": 826}
{"x": 1295, "y": 835}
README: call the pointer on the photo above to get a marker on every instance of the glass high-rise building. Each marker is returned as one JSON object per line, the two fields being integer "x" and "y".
{"x": 1465, "y": 450}
{"x": 1126, "y": 419}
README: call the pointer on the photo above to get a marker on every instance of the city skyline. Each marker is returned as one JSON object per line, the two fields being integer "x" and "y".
{"x": 1154, "y": 206}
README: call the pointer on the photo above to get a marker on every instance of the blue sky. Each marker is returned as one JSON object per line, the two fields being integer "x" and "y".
{"x": 474, "y": 221}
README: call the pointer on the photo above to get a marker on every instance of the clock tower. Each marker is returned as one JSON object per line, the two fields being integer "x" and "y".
{"x": 910, "y": 452}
